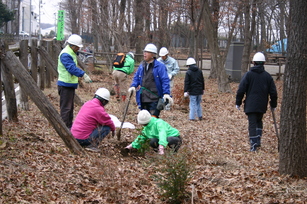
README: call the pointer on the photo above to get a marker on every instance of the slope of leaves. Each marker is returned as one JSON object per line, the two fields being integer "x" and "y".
{"x": 36, "y": 167}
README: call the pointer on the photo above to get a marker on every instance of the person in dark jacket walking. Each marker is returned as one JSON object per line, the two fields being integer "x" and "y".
{"x": 257, "y": 85}
{"x": 194, "y": 86}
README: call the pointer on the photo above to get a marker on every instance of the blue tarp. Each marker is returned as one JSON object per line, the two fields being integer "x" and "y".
{"x": 277, "y": 47}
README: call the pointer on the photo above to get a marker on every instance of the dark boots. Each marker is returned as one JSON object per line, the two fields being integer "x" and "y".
{"x": 259, "y": 134}
{"x": 255, "y": 142}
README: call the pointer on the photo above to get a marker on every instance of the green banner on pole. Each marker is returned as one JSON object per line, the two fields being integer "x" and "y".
{"x": 60, "y": 26}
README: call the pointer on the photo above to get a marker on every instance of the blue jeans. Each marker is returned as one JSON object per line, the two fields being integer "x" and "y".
{"x": 195, "y": 107}
{"x": 96, "y": 136}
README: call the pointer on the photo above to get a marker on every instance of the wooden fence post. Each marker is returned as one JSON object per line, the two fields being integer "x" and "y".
{"x": 40, "y": 100}
{"x": 9, "y": 91}
{"x": 50, "y": 54}
{"x": 23, "y": 57}
{"x": 34, "y": 60}
{"x": 42, "y": 73}
{"x": 47, "y": 71}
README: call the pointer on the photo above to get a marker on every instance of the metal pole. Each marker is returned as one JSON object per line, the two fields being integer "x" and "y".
{"x": 39, "y": 22}
{"x": 23, "y": 18}
{"x": 55, "y": 25}
{"x": 30, "y": 18}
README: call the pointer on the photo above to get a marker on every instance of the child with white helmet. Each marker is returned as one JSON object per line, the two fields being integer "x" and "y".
{"x": 160, "y": 133}
{"x": 194, "y": 87}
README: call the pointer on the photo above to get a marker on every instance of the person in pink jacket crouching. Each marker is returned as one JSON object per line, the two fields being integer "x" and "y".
{"x": 93, "y": 123}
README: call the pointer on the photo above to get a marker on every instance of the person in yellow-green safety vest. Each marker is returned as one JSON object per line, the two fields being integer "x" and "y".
{"x": 68, "y": 74}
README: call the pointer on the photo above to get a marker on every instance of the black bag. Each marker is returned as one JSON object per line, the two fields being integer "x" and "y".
{"x": 119, "y": 60}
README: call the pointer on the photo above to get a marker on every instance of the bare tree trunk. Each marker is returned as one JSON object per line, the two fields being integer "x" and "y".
{"x": 292, "y": 141}
{"x": 95, "y": 28}
{"x": 282, "y": 25}
{"x": 74, "y": 9}
{"x": 211, "y": 34}
{"x": 163, "y": 32}
{"x": 122, "y": 34}
{"x": 250, "y": 24}
{"x": 262, "y": 27}
{"x": 146, "y": 15}
{"x": 1, "y": 67}
{"x": 138, "y": 29}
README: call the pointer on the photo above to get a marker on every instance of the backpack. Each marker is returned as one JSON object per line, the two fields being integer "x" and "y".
{"x": 119, "y": 60}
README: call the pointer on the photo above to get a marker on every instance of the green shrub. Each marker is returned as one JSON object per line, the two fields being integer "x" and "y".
{"x": 172, "y": 175}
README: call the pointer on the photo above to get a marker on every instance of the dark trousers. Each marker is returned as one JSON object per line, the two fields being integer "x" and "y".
{"x": 151, "y": 107}
{"x": 254, "y": 124}
{"x": 67, "y": 95}
{"x": 173, "y": 142}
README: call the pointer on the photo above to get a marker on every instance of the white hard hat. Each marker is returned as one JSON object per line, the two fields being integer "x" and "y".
{"x": 190, "y": 61}
{"x": 151, "y": 48}
{"x": 163, "y": 51}
{"x": 144, "y": 117}
{"x": 259, "y": 57}
{"x": 131, "y": 54}
{"x": 76, "y": 40}
{"x": 103, "y": 93}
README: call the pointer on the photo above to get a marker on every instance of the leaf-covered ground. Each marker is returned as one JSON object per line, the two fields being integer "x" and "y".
{"x": 36, "y": 166}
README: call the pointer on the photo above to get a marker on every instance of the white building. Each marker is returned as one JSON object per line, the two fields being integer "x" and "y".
{"x": 28, "y": 19}
{"x": 23, "y": 17}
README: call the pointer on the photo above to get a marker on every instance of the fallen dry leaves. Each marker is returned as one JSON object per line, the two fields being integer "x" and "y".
{"x": 36, "y": 167}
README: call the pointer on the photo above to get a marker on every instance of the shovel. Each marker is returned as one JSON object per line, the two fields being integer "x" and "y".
{"x": 275, "y": 125}
{"x": 125, "y": 113}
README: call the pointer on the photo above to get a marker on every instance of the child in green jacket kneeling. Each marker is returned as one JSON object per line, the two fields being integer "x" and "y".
{"x": 160, "y": 133}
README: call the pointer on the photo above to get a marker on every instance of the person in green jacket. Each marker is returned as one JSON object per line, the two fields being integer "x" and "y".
{"x": 160, "y": 134}
{"x": 120, "y": 76}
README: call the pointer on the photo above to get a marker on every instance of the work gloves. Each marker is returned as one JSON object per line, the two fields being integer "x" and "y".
{"x": 170, "y": 76}
{"x": 129, "y": 147}
{"x": 186, "y": 94}
{"x": 237, "y": 107}
{"x": 131, "y": 90}
{"x": 168, "y": 97}
{"x": 86, "y": 78}
{"x": 161, "y": 149}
